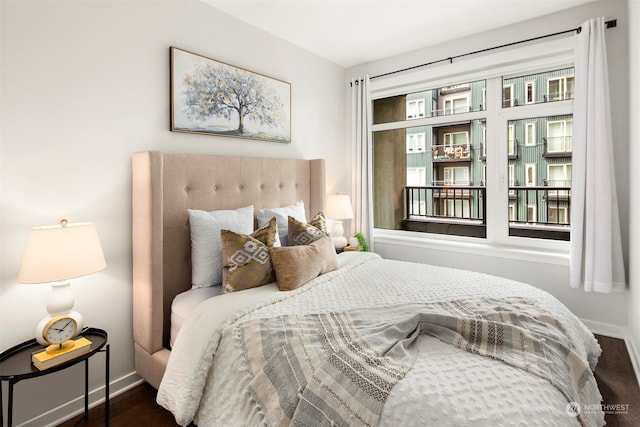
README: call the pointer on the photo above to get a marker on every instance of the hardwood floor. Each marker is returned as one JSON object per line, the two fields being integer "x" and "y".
{"x": 618, "y": 384}
{"x": 614, "y": 373}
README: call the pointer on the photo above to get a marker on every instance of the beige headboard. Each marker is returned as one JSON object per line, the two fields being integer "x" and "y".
{"x": 164, "y": 186}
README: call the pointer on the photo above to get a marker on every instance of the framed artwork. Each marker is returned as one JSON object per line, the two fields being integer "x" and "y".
{"x": 214, "y": 98}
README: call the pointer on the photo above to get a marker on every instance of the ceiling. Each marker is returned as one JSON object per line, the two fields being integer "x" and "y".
{"x": 352, "y": 32}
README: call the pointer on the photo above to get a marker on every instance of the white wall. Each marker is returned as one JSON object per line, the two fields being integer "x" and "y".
{"x": 605, "y": 313}
{"x": 86, "y": 84}
{"x": 634, "y": 190}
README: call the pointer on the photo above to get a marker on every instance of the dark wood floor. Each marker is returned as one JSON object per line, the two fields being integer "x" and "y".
{"x": 614, "y": 374}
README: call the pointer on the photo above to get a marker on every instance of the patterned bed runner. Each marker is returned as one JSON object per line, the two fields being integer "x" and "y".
{"x": 338, "y": 368}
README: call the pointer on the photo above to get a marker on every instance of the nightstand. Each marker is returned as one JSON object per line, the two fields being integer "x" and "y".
{"x": 15, "y": 366}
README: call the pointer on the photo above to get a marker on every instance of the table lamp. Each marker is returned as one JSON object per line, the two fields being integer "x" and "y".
{"x": 54, "y": 254}
{"x": 339, "y": 208}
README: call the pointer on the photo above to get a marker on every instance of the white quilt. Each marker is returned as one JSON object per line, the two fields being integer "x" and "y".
{"x": 206, "y": 378}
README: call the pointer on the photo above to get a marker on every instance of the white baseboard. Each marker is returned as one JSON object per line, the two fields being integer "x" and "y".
{"x": 613, "y": 331}
{"x": 75, "y": 407}
{"x": 634, "y": 355}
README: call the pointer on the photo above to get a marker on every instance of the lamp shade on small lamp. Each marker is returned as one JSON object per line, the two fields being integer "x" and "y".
{"x": 61, "y": 252}
{"x": 54, "y": 254}
{"x": 339, "y": 208}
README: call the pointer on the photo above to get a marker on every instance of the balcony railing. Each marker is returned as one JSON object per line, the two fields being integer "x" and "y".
{"x": 540, "y": 212}
{"x": 558, "y": 96}
{"x": 557, "y": 146}
{"x": 444, "y": 201}
{"x": 447, "y": 153}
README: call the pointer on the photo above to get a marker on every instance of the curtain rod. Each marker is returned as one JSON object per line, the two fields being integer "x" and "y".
{"x": 609, "y": 24}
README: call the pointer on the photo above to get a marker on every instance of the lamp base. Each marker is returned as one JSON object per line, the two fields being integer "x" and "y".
{"x": 60, "y": 301}
{"x": 337, "y": 235}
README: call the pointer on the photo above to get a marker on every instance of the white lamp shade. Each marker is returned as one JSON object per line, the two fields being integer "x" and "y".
{"x": 61, "y": 252}
{"x": 339, "y": 207}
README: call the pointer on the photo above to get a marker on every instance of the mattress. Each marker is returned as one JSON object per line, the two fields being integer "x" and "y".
{"x": 185, "y": 303}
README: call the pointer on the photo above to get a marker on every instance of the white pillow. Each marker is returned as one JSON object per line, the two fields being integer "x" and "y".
{"x": 282, "y": 218}
{"x": 206, "y": 244}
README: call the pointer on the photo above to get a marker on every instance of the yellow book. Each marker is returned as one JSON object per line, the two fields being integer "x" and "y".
{"x": 43, "y": 360}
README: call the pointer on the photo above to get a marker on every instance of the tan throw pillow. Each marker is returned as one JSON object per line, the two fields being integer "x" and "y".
{"x": 302, "y": 233}
{"x": 296, "y": 265}
{"x": 245, "y": 258}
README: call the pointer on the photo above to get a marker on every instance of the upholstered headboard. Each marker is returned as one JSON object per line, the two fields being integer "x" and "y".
{"x": 164, "y": 186}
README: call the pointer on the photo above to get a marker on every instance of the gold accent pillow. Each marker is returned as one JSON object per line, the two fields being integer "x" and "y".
{"x": 296, "y": 265}
{"x": 246, "y": 262}
{"x": 302, "y": 233}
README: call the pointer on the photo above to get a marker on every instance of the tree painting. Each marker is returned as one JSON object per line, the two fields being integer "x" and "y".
{"x": 218, "y": 98}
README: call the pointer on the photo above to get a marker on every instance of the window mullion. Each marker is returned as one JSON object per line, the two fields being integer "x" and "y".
{"x": 497, "y": 172}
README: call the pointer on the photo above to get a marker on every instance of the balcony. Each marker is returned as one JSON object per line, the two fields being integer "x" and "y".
{"x": 446, "y": 209}
{"x": 542, "y": 212}
{"x": 557, "y": 146}
{"x": 558, "y": 96}
{"x": 451, "y": 153}
{"x": 538, "y": 212}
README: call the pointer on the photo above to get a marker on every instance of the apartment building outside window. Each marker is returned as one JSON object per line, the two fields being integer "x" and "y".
{"x": 441, "y": 176}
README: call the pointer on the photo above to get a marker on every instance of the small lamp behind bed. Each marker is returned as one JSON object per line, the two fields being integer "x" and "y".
{"x": 338, "y": 209}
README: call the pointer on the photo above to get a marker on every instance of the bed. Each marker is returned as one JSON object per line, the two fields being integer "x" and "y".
{"x": 368, "y": 341}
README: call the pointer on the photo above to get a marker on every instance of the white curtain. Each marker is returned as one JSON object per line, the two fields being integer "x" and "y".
{"x": 596, "y": 248}
{"x": 362, "y": 158}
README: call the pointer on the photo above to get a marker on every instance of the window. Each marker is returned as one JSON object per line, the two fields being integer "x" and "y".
{"x": 415, "y": 108}
{"x": 512, "y": 179}
{"x": 457, "y": 209}
{"x": 456, "y": 139}
{"x": 507, "y": 96}
{"x": 416, "y": 177}
{"x": 530, "y": 134}
{"x": 530, "y": 93}
{"x": 511, "y": 141}
{"x": 456, "y": 105}
{"x": 559, "y": 175}
{"x": 415, "y": 143}
{"x": 456, "y": 176}
{"x": 558, "y": 215}
{"x": 530, "y": 174}
{"x": 560, "y": 88}
{"x": 486, "y": 139}
{"x": 560, "y": 136}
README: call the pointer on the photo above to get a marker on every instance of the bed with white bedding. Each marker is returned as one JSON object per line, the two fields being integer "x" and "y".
{"x": 373, "y": 342}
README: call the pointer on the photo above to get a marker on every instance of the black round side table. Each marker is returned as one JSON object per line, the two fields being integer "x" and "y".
{"x": 15, "y": 366}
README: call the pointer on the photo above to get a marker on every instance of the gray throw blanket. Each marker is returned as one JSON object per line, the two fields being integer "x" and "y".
{"x": 338, "y": 368}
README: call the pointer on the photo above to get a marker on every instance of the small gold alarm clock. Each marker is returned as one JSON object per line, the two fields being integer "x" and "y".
{"x": 58, "y": 332}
